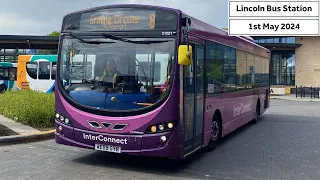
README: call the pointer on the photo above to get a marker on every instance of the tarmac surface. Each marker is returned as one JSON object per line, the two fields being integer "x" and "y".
{"x": 285, "y": 144}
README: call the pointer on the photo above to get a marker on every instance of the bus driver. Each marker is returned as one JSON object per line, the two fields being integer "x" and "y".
{"x": 111, "y": 73}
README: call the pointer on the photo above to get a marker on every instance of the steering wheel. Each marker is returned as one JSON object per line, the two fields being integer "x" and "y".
{"x": 96, "y": 83}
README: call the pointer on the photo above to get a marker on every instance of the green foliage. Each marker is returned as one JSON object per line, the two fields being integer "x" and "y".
{"x": 50, "y": 51}
{"x": 28, "y": 107}
{"x": 54, "y": 33}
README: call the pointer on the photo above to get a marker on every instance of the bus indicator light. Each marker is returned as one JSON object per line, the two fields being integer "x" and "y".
{"x": 153, "y": 129}
{"x": 170, "y": 125}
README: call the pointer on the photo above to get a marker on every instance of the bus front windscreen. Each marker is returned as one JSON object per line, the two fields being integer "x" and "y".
{"x": 116, "y": 74}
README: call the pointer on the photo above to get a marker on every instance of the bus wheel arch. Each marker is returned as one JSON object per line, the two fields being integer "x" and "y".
{"x": 216, "y": 131}
{"x": 3, "y": 88}
{"x": 257, "y": 112}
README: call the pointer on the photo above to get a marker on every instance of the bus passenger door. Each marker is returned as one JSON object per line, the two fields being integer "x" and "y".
{"x": 193, "y": 101}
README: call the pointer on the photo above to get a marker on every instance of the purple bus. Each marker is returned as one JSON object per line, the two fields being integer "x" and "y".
{"x": 154, "y": 81}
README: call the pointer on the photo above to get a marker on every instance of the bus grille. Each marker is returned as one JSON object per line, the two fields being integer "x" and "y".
{"x": 119, "y": 126}
{"x": 107, "y": 125}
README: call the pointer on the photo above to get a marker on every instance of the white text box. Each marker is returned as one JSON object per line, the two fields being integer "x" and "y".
{"x": 273, "y": 27}
{"x": 274, "y": 9}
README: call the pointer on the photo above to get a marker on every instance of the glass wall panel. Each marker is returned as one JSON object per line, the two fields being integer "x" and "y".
{"x": 285, "y": 40}
{"x": 283, "y": 68}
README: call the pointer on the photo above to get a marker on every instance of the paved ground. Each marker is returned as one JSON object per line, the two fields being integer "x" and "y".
{"x": 4, "y": 131}
{"x": 283, "y": 145}
{"x": 293, "y": 97}
{"x": 16, "y": 127}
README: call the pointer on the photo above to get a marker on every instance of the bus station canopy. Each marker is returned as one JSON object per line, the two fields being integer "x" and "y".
{"x": 28, "y": 42}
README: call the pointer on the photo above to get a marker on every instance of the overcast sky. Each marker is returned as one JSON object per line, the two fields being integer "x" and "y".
{"x": 40, "y": 17}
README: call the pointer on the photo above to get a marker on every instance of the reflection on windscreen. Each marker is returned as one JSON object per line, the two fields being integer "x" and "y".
{"x": 160, "y": 67}
{"x": 80, "y": 67}
{"x": 119, "y": 75}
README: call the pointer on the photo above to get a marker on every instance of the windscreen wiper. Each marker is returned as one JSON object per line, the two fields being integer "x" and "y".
{"x": 88, "y": 42}
{"x": 113, "y": 37}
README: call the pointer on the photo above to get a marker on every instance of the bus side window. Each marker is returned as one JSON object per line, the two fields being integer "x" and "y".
{"x": 44, "y": 70}
{"x": 32, "y": 69}
{"x": 5, "y": 74}
{"x": 13, "y": 74}
{"x": 2, "y": 74}
{"x": 53, "y": 70}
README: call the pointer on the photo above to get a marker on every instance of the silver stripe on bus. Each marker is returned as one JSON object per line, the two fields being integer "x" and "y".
{"x": 106, "y": 125}
{"x": 124, "y": 126}
{"x": 89, "y": 122}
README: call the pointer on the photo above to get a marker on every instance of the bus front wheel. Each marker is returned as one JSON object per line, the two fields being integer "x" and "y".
{"x": 215, "y": 132}
{"x": 3, "y": 88}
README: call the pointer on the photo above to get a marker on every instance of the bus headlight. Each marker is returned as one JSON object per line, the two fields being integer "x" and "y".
{"x": 66, "y": 120}
{"x": 57, "y": 115}
{"x": 161, "y": 127}
{"x": 63, "y": 119}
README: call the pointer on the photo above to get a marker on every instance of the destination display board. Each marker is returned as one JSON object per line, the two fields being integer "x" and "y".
{"x": 122, "y": 19}
{"x": 273, "y": 18}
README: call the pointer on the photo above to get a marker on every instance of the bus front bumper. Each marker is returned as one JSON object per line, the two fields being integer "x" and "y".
{"x": 141, "y": 145}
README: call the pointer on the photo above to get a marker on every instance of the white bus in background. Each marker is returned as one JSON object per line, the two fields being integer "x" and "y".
{"x": 38, "y": 72}
{"x": 8, "y": 78}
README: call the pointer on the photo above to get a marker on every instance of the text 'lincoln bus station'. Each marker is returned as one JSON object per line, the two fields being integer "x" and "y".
{"x": 274, "y": 18}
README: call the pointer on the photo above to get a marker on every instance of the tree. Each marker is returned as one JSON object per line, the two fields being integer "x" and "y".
{"x": 49, "y": 51}
{"x": 54, "y": 33}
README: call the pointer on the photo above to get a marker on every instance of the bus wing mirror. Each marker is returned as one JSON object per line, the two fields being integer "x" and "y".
{"x": 184, "y": 55}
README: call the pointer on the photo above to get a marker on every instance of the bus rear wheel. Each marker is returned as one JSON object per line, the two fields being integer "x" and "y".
{"x": 3, "y": 88}
{"x": 215, "y": 133}
{"x": 257, "y": 114}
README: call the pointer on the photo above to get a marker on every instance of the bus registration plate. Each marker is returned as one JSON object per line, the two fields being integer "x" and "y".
{"x": 108, "y": 148}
